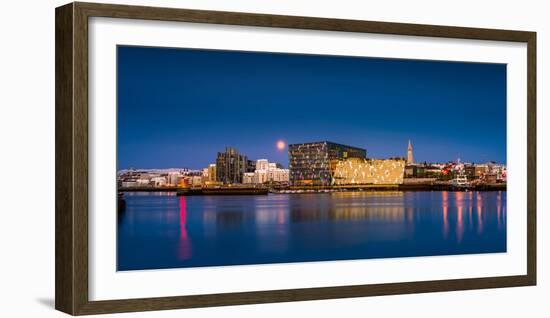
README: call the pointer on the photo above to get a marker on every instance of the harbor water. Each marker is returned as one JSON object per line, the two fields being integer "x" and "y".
{"x": 161, "y": 230}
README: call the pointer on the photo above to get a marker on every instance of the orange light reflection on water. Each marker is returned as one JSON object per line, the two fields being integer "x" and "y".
{"x": 445, "y": 198}
{"x": 479, "y": 206}
{"x": 459, "y": 201}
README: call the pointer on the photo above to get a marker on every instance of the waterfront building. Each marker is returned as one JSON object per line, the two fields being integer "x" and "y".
{"x": 410, "y": 171}
{"x": 432, "y": 171}
{"x": 481, "y": 170}
{"x": 250, "y": 165}
{"x": 266, "y": 172}
{"x": 212, "y": 172}
{"x": 278, "y": 175}
{"x": 502, "y": 174}
{"x": 230, "y": 166}
{"x": 313, "y": 163}
{"x": 260, "y": 176}
{"x": 490, "y": 178}
{"x": 195, "y": 181}
{"x": 158, "y": 181}
{"x": 262, "y": 164}
{"x": 368, "y": 171}
{"x": 249, "y": 178}
{"x": 184, "y": 183}
{"x": 415, "y": 171}
{"x": 500, "y": 171}
{"x": 143, "y": 182}
{"x": 191, "y": 181}
{"x": 410, "y": 159}
{"x": 470, "y": 171}
{"x": 174, "y": 177}
{"x": 129, "y": 184}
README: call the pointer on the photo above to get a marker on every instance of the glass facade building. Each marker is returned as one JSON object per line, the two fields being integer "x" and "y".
{"x": 313, "y": 163}
{"x": 230, "y": 166}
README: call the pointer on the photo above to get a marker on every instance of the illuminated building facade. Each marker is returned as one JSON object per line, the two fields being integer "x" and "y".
{"x": 313, "y": 163}
{"x": 249, "y": 178}
{"x": 266, "y": 172}
{"x": 368, "y": 171}
{"x": 230, "y": 166}
{"x": 212, "y": 172}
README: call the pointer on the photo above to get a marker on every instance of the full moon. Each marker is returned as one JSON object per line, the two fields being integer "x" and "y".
{"x": 281, "y": 145}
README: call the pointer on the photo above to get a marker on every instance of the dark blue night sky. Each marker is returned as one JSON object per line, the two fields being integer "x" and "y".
{"x": 179, "y": 107}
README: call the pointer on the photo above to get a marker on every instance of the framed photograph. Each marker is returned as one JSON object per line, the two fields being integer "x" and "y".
{"x": 218, "y": 158}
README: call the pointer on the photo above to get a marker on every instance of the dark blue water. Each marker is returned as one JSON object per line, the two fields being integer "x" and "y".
{"x": 161, "y": 230}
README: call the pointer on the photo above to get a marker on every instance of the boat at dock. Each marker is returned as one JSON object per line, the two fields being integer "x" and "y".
{"x": 461, "y": 182}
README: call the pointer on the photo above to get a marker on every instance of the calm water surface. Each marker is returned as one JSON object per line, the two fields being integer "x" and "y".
{"x": 162, "y": 230}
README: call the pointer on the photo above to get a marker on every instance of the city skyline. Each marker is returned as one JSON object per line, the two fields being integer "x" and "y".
{"x": 456, "y": 160}
{"x": 179, "y": 107}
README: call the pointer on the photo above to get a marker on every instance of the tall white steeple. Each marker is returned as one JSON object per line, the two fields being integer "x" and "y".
{"x": 410, "y": 153}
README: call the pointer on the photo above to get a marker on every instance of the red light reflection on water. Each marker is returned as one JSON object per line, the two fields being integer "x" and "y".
{"x": 184, "y": 246}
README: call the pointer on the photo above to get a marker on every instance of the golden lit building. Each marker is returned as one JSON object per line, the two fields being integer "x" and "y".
{"x": 368, "y": 171}
{"x": 212, "y": 172}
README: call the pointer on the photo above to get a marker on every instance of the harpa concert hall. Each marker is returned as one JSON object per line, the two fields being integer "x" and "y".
{"x": 311, "y": 163}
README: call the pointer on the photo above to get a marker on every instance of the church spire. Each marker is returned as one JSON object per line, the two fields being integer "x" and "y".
{"x": 410, "y": 159}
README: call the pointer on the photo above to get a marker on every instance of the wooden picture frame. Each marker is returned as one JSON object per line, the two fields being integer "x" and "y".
{"x": 71, "y": 90}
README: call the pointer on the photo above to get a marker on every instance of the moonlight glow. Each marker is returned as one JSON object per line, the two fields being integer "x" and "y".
{"x": 281, "y": 145}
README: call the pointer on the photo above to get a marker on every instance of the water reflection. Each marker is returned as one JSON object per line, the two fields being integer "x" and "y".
{"x": 459, "y": 202}
{"x": 184, "y": 250}
{"x": 479, "y": 205}
{"x": 382, "y": 206}
{"x": 163, "y": 230}
{"x": 445, "y": 207}
{"x": 272, "y": 223}
{"x": 229, "y": 218}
